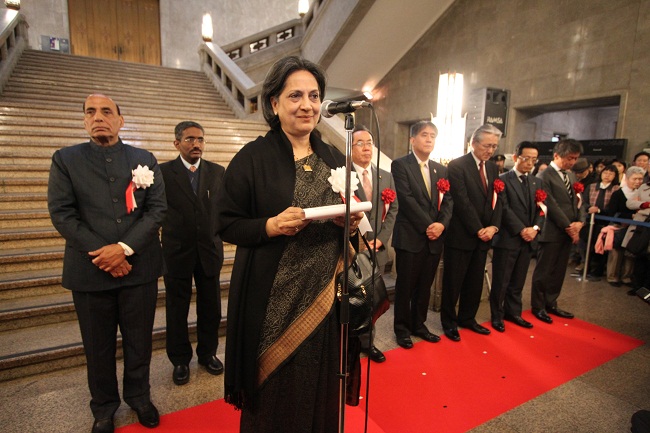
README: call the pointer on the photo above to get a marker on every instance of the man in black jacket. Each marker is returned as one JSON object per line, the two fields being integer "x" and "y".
{"x": 192, "y": 247}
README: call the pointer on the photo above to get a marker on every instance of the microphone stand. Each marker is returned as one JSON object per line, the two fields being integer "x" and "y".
{"x": 345, "y": 297}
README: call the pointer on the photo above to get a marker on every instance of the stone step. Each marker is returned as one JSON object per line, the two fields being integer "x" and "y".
{"x": 18, "y": 185}
{"x": 16, "y": 237}
{"x": 33, "y": 171}
{"x": 58, "y": 307}
{"x": 25, "y": 218}
{"x": 23, "y": 201}
{"x": 37, "y": 258}
{"x": 56, "y": 346}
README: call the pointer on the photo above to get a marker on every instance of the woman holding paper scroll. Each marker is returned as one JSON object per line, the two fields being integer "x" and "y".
{"x": 282, "y": 346}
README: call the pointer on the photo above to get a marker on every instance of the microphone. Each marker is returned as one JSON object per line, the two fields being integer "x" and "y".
{"x": 331, "y": 108}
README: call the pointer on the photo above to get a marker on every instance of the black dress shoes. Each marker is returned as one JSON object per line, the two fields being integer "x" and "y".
{"x": 212, "y": 365}
{"x": 405, "y": 342}
{"x": 498, "y": 325}
{"x": 375, "y": 355}
{"x": 560, "y": 313}
{"x": 148, "y": 415}
{"x": 452, "y": 334}
{"x": 428, "y": 336}
{"x": 478, "y": 329}
{"x": 541, "y": 315}
{"x": 518, "y": 320}
{"x": 181, "y": 374}
{"x": 103, "y": 426}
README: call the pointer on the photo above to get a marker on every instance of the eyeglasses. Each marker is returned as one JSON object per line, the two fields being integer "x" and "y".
{"x": 192, "y": 140}
{"x": 527, "y": 159}
{"x": 361, "y": 144}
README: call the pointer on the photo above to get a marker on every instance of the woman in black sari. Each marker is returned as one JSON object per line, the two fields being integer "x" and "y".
{"x": 282, "y": 343}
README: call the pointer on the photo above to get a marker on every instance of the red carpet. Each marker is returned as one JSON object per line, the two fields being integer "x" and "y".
{"x": 451, "y": 387}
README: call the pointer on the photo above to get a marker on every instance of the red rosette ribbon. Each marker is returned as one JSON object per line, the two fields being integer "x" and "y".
{"x": 578, "y": 188}
{"x": 387, "y": 196}
{"x": 498, "y": 187}
{"x": 540, "y": 196}
{"x": 443, "y": 187}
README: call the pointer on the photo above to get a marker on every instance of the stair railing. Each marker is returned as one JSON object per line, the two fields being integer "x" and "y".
{"x": 240, "y": 92}
{"x": 13, "y": 41}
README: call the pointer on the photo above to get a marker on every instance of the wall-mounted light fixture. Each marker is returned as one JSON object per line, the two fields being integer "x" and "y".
{"x": 450, "y": 142}
{"x": 303, "y": 7}
{"x": 206, "y": 28}
{"x": 13, "y": 4}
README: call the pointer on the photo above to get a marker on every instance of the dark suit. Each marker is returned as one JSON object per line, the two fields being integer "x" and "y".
{"x": 192, "y": 247}
{"x": 86, "y": 200}
{"x": 416, "y": 257}
{"x": 465, "y": 253}
{"x": 512, "y": 253}
{"x": 554, "y": 242}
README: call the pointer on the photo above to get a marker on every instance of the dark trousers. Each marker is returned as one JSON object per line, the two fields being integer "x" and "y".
{"x": 548, "y": 277}
{"x": 462, "y": 284}
{"x": 208, "y": 315}
{"x": 415, "y": 274}
{"x": 509, "y": 270}
{"x": 100, "y": 313}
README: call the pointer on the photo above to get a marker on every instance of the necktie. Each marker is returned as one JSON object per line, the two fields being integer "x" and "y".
{"x": 567, "y": 184}
{"x": 524, "y": 185}
{"x": 193, "y": 178}
{"x": 480, "y": 170}
{"x": 367, "y": 188}
{"x": 425, "y": 176}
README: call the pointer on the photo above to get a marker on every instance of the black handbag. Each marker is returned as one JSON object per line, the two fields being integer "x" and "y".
{"x": 638, "y": 243}
{"x": 367, "y": 292}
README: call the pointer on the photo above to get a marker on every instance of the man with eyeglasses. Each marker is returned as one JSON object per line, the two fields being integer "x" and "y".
{"x": 374, "y": 181}
{"x": 420, "y": 228}
{"x": 476, "y": 219}
{"x": 192, "y": 248}
{"x": 515, "y": 243}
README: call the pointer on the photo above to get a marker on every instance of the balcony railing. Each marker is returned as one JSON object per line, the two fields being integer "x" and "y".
{"x": 13, "y": 40}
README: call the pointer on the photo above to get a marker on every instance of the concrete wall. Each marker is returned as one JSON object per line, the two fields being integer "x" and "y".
{"x": 544, "y": 52}
{"x": 180, "y": 23}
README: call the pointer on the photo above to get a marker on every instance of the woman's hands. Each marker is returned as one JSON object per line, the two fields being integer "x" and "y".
{"x": 355, "y": 218}
{"x": 289, "y": 222}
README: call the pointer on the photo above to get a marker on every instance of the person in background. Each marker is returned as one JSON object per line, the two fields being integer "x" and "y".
{"x": 283, "y": 335}
{"x": 585, "y": 174}
{"x": 539, "y": 169}
{"x": 515, "y": 244}
{"x": 561, "y": 229}
{"x": 620, "y": 267}
{"x": 641, "y": 160}
{"x": 192, "y": 248}
{"x": 373, "y": 180}
{"x": 595, "y": 201}
{"x": 500, "y": 161}
{"x": 474, "y": 183}
{"x": 419, "y": 232}
{"x": 107, "y": 199}
{"x": 598, "y": 167}
{"x": 621, "y": 167}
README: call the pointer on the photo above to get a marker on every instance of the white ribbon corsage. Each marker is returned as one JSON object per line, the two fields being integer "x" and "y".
{"x": 142, "y": 178}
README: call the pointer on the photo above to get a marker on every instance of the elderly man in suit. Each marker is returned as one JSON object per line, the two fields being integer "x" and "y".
{"x": 107, "y": 199}
{"x": 564, "y": 220}
{"x": 476, "y": 219}
{"x": 192, "y": 248}
{"x": 425, "y": 208}
{"x": 374, "y": 182}
{"x": 515, "y": 243}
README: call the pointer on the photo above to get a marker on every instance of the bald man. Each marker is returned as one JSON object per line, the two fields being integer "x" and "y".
{"x": 107, "y": 199}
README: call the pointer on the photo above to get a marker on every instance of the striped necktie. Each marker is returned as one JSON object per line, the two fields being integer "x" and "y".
{"x": 567, "y": 184}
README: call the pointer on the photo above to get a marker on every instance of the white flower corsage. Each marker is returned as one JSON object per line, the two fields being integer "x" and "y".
{"x": 142, "y": 178}
{"x": 337, "y": 180}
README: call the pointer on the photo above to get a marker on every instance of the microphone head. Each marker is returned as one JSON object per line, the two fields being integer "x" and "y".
{"x": 324, "y": 111}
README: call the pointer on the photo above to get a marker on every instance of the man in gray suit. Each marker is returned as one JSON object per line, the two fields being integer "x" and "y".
{"x": 515, "y": 243}
{"x": 374, "y": 180}
{"x": 107, "y": 199}
{"x": 564, "y": 220}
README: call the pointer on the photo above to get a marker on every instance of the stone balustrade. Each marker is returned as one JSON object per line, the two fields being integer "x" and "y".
{"x": 13, "y": 40}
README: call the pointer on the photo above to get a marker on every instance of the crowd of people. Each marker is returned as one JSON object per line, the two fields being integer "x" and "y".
{"x": 111, "y": 202}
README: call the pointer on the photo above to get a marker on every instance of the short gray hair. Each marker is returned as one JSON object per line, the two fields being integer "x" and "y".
{"x": 483, "y": 130}
{"x": 634, "y": 170}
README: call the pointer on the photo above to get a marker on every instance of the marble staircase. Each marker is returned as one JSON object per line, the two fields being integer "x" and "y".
{"x": 40, "y": 112}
